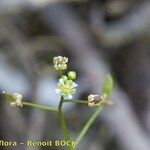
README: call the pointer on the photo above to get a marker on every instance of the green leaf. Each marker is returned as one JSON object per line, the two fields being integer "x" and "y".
{"x": 107, "y": 87}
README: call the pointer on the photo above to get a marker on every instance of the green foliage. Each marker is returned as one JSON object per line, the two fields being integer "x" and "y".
{"x": 108, "y": 86}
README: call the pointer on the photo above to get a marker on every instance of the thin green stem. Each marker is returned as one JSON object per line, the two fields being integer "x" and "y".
{"x": 62, "y": 120}
{"x": 60, "y": 72}
{"x": 39, "y": 106}
{"x": 88, "y": 124}
{"x": 77, "y": 101}
{"x": 63, "y": 123}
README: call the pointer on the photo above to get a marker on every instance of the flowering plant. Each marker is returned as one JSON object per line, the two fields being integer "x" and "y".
{"x": 66, "y": 87}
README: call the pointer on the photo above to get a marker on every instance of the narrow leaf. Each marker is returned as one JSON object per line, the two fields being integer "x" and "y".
{"x": 107, "y": 86}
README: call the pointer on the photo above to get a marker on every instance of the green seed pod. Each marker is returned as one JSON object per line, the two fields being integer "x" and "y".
{"x": 64, "y": 77}
{"x": 72, "y": 75}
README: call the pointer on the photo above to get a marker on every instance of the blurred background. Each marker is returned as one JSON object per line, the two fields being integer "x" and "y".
{"x": 98, "y": 37}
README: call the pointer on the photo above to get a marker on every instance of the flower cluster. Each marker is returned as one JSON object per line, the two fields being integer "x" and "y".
{"x": 66, "y": 88}
{"x": 60, "y": 63}
{"x": 14, "y": 99}
{"x": 66, "y": 85}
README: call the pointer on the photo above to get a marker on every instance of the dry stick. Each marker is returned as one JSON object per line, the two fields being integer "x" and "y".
{"x": 124, "y": 31}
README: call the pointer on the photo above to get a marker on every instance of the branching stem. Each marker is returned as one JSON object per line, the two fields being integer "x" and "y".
{"x": 44, "y": 107}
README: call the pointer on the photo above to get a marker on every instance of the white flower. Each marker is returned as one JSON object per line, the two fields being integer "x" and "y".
{"x": 14, "y": 99}
{"x": 66, "y": 88}
{"x": 18, "y": 98}
{"x": 94, "y": 100}
{"x": 60, "y": 63}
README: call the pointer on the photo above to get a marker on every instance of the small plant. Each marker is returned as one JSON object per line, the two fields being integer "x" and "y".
{"x": 66, "y": 87}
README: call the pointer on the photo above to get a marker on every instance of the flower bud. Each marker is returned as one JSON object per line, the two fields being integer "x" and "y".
{"x": 60, "y": 63}
{"x": 64, "y": 77}
{"x": 14, "y": 99}
{"x": 72, "y": 75}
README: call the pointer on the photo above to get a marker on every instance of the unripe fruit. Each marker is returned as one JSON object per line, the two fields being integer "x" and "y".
{"x": 72, "y": 75}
